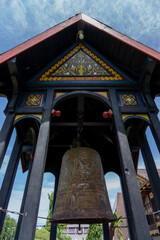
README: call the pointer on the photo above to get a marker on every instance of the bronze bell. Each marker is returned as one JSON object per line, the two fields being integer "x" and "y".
{"x": 82, "y": 195}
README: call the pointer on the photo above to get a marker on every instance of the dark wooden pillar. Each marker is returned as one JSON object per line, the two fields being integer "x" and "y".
{"x": 9, "y": 178}
{"x": 23, "y": 202}
{"x": 53, "y": 232}
{"x": 155, "y": 128}
{"x": 128, "y": 211}
{"x": 5, "y": 134}
{"x": 151, "y": 168}
{"x": 7, "y": 128}
{"x": 106, "y": 235}
{"x": 31, "y": 206}
{"x": 132, "y": 194}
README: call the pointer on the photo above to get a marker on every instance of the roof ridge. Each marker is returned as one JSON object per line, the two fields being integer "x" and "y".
{"x": 63, "y": 25}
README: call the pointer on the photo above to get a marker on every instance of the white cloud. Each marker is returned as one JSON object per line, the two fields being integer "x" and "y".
{"x": 138, "y": 19}
{"x": 112, "y": 181}
{"x": 157, "y": 162}
{"x": 112, "y": 202}
{"x": 4, "y": 165}
{"x": 44, "y": 205}
{"x": 20, "y": 12}
{"x": 15, "y": 203}
{"x": 113, "y": 185}
{"x": 16, "y": 199}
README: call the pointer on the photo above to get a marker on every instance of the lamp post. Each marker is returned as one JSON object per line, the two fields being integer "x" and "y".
{"x": 12, "y": 232}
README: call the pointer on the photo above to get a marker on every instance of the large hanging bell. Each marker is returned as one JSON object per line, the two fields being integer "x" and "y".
{"x": 82, "y": 195}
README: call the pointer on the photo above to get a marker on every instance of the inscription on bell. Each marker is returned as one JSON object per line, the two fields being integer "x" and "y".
{"x": 82, "y": 196}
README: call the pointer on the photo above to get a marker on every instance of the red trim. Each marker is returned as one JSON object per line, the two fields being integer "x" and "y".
{"x": 129, "y": 41}
{"x": 137, "y": 161}
{"x": 22, "y": 166}
{"x": 54, "y": 30}
{"x": 39, "y": 38}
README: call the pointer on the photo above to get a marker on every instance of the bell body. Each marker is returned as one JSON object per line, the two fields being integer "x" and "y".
{"x": 82, "y": 195}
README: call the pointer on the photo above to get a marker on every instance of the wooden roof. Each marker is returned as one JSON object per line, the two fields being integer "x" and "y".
{"x": 36, "y": 53}
{"x": 143, "y": 180}
{"x": 71, "y": 21}
{"x": 143, "y": 173}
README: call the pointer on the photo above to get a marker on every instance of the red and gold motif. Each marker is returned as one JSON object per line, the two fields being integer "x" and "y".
{"x": 128, "y": 99}
{"x": 80, "y": 64}
{"x": 33, "y": 100}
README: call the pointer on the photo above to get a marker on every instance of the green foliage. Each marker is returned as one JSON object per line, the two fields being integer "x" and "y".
{"x": 117, "y": 226}
{"x": 48, "y": 225}
{"x": 94, "y": 232}
{"x": 42, "y": 234}
{"x": 60, "y": 234}
{"x": 9, "y": 228}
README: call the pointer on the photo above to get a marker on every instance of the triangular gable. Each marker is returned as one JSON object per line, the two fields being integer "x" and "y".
{"x": 80, "y": 64}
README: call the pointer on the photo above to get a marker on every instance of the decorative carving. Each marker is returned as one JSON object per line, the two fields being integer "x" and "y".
{"x": 33, "y": 100}
{"x": 141, "y": 182}
{"x": 130, "y": 115}
{"x": 82, "y": 195}
{"x": 80, "y": 64}
{"x": 129, "y": 99}
{"x": 19, "y": 117}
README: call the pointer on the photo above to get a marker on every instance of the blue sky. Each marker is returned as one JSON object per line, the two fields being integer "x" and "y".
{"x": 21, "y": 20}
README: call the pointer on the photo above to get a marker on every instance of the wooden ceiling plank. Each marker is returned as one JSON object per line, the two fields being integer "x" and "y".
{"x": 129, "y": 41}
{"x": 39, "y": 38}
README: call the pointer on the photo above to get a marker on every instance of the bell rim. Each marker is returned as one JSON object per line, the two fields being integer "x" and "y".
{"x": 83, "y": 220}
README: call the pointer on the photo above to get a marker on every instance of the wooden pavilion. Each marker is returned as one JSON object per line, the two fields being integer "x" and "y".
{"x": 91, "y": 78}
{"x": 150, "y": 208}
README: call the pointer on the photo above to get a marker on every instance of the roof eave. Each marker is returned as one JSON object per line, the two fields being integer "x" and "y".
{"x": 59, "y": 27}
{"x": 39, "y": 38}
{"x": 123, "y": 38}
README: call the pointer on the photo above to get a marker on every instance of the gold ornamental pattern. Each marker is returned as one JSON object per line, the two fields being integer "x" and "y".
{"x": 80, "y": 64}
{"x": 33, "y": 100}
{"x": 129, "y": 100}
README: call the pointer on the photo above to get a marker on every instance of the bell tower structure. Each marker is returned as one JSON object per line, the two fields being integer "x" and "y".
{"x": 79, "y": 80}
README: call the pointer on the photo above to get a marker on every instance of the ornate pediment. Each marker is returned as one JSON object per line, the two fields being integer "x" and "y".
{"x": 80, "y": 64}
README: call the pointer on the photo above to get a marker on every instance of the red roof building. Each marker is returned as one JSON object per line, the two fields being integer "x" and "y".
{"x": 152, "y": 215}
